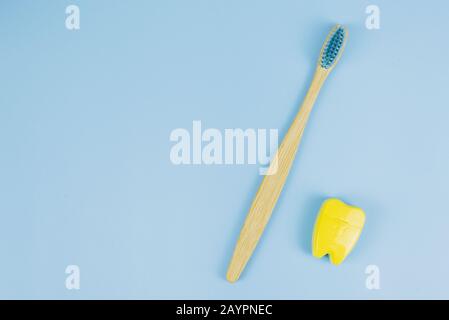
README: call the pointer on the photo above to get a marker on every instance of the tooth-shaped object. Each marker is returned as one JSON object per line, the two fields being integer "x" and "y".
{"x": 337, "y": 229}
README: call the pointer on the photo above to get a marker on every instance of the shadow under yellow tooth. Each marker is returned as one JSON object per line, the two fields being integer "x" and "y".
{"x": 337, "y": 229}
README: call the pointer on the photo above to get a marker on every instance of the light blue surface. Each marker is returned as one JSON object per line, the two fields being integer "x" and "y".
{"x": 85, "y": 173}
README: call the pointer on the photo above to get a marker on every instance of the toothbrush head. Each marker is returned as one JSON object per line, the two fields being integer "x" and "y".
{"x": 333, "y": 47}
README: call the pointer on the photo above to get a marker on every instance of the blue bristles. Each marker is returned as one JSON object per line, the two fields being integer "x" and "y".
{"x": 332, "y": 48}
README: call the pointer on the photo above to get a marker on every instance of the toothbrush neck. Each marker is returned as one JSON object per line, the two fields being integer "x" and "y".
{"x": 318, "y": 80}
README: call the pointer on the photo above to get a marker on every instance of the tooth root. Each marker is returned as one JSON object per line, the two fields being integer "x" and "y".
{"x": 337, "y": 229}
{"x": 338, "y": 255}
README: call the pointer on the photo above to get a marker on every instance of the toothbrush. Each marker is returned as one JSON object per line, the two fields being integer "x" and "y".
{"x": 272, "y": 184}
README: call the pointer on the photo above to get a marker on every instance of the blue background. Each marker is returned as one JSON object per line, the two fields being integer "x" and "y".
{"x": 85, "y": 172}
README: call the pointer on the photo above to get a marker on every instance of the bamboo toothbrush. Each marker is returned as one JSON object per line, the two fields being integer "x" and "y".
{"x": 272, "y": 184}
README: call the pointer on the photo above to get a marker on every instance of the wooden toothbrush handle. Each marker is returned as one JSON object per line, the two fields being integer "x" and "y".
{"x": 271, "y": 186}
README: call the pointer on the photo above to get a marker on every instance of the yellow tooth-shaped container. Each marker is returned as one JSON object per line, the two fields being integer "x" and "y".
{"x": 337, "y": 229}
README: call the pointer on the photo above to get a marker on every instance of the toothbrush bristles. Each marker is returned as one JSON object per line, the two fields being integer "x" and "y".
{"x": 333, "y": 46}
